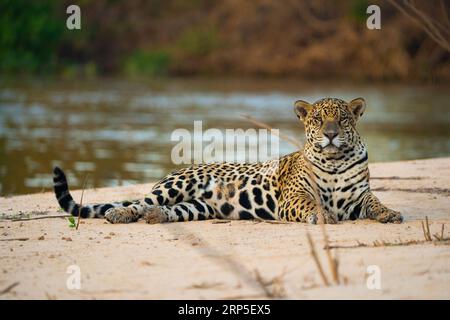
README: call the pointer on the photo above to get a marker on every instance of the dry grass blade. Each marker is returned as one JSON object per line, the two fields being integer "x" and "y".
{"x": 273, "y": 288}
{"x": 425, "y": 230}
{"x": 41, "y": 217}
{"x": 205, "y": 285}
{"x": 429, "y": 24}
{"x": 335, "y": 266}
{"x": 9, "y": 288}
{"x": 15, "y": 239}
{"x": 440, "y": 237}
{"x": 263, "y": 284}
{"x": 332, "y": 261}
{"x": 278, "y": 133}
{"x": 272, "y": 221}
{"x": 316, "y": 260}
{"x": 396, "y": 178}
{"x": 220, "y": 221}
{"x": 444, "y": 12}
{"x": 81, "y": 201}
{"x": 427, "y": 224}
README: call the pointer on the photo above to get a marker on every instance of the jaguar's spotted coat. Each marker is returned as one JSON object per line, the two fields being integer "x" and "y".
{"x": 331, "y": 173}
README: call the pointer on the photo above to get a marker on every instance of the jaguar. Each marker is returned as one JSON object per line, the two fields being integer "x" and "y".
{"x": 326, "y": 182}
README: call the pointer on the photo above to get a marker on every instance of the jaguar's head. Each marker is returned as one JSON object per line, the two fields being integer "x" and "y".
{"x": 330, "y": 123}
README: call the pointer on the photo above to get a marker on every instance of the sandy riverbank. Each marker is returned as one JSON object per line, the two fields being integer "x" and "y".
{"x": 208, "y": 259}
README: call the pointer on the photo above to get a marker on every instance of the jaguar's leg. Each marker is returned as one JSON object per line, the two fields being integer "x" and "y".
{"x": 302, "y": 207}
{"x": 128, "y": 214}
{"x": 375, "y": 210}
{"x": 163, "y": 196}
{"x": 195, "y": 209}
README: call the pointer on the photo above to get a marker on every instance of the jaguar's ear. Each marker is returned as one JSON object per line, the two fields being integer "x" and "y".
{"x": 357, "y": 107}
{"x": 302, "y": 108}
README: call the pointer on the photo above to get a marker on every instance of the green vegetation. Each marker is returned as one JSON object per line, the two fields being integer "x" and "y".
{"x": 175, "y": 37}
{"x": 198, "y": 42}
{"x": 30, "y": 33}
{"x": 357, "y": 11}
{"x": 72, "y": 222}
{"x": 152, "y": 63}
{"x": 34, "y": 40}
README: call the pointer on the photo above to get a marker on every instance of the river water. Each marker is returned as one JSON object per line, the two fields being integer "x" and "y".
{"x": 119, "y": 131}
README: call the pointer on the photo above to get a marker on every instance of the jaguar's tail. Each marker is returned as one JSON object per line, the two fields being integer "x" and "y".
{"x": 66, "y": 201}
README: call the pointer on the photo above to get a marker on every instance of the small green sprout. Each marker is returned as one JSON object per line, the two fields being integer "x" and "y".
{"x": 72, "y": 222}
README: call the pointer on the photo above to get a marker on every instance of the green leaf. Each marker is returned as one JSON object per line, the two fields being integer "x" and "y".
{"x": 72, "y": 223}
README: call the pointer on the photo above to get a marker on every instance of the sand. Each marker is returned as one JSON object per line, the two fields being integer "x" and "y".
{"x": 208, "y": 259}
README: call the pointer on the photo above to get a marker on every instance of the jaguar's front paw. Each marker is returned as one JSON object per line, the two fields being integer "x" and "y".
{"x": 389, "y": 216}
{"x": 329, "y": 217}
{"x": 154, "y": 215}
{"x": 322, "y": 217}
{"x": 312, "y": 218}
{"x": 120, "y": 215}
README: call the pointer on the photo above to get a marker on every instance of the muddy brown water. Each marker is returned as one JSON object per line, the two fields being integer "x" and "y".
{"x": 119, "y": 132}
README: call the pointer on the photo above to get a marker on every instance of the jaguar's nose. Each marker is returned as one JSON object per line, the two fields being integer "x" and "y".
{"x": 330, "y": 134}
{"x": 330, "y": 130}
